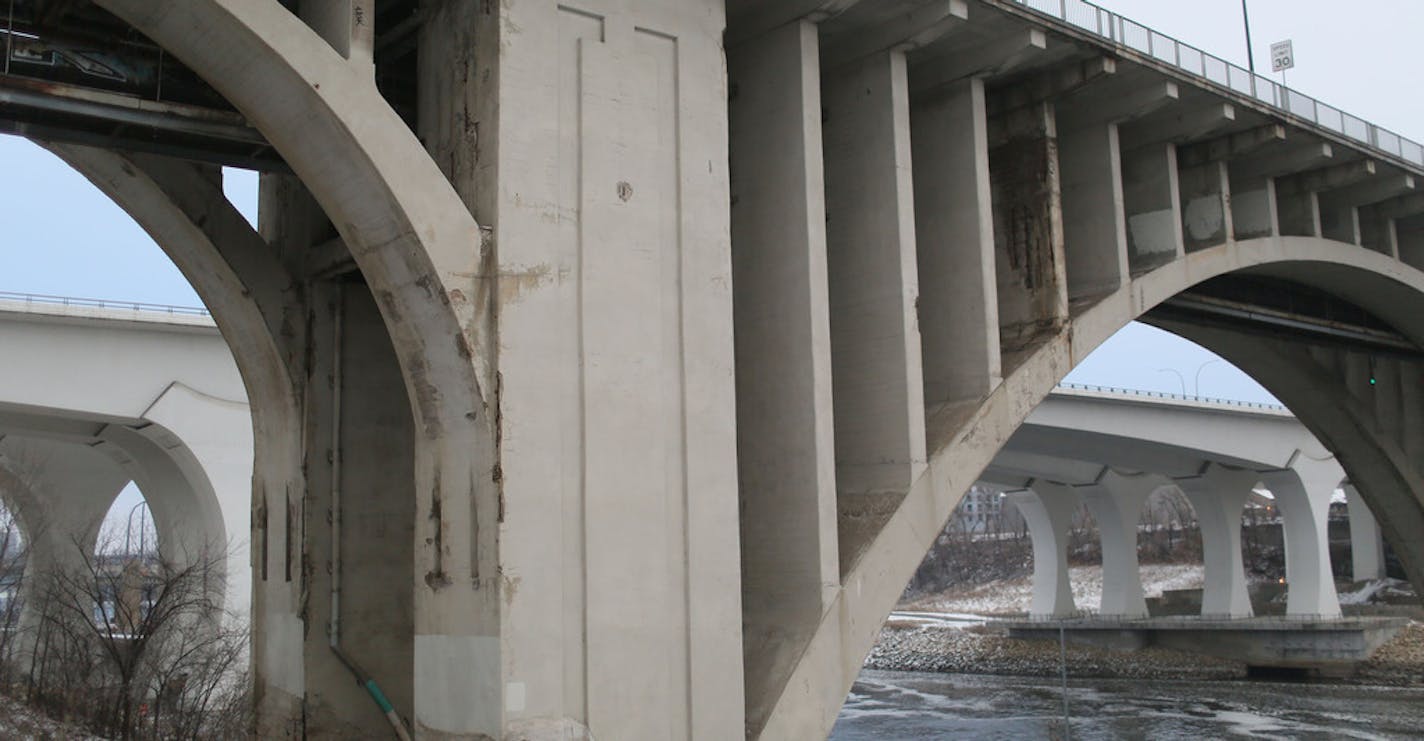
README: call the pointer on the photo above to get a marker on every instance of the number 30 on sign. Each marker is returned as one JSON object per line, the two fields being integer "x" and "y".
{"x": 1282, "y": 56}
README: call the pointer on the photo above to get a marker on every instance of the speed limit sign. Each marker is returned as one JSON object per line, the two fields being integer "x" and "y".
{"x": 1282, "y": 56}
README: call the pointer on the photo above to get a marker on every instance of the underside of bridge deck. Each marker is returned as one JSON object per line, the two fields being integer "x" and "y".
{"x": 549, "y": 223}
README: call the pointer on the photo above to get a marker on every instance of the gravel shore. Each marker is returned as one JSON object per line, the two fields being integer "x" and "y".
{"x": 934, "y": 648}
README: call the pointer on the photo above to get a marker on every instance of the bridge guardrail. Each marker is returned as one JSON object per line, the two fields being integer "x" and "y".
{"x": 96, "y": 303}
{"x": 1092, "y": 615}
{"x": 1170, "y": 396}
{"x": 1218, "y": 72}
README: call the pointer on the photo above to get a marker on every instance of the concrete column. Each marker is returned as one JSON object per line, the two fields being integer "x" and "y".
{"x": 1339, "y": 221}
{"x": 1153, "y": 203}
{"x": 1409, "y": 235}
{"x": 1218, "y": 496}
{"x": 348, "y": 25}
{"x": 1206, "y": 211}
{"x": 785, "y": 432}
{"x": 954, "y": 227}
{"x": 58, "y": 493}
{"x": 1299, "y": 212}
{"x": 1377, "y": 232}
{"x": 1094, "y": 222}
{"x": 875, "y": 340}
{"x": 1048, "y": 509}
{"x": 595, "y": 146}
{"x": 1366, "y": 542}
{"x": 1028, "y": 225}
{"x": 1116, "y": 504}
{"x": 1253, "y": 208}
{"x": 1303, "y": 495}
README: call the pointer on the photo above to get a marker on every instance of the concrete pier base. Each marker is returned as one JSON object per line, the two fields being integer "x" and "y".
{"x": 1331, "y": 646}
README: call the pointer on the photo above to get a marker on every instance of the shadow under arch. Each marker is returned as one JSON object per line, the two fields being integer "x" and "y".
{"x": 964, "y": 438}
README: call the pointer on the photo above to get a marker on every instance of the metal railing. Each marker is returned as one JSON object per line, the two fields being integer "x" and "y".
{"x": 1170, "y": 396}
{"x": 95, "y": 303}
{"x": 1219, "y": 73}
{"x": 1088, "y": 615}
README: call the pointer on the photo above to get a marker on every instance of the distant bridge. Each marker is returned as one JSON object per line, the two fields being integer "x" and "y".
{"x": 1111, "y": 450}
{"x": 94, "y": 395}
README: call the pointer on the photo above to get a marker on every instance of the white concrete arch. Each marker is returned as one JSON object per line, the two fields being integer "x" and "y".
{"x": 963, "y": 444}
{"x": 162, "y": 401}
{"x": 255, "y": 303}
{"x": 421, "y": 252}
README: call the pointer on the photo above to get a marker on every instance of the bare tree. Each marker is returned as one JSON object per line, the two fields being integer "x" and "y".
{"x": 152, "y": 637}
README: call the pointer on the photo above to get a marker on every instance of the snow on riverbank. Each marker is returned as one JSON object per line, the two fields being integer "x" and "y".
{"x": 1005, "y": 596}
{"x": 24, "y": 723}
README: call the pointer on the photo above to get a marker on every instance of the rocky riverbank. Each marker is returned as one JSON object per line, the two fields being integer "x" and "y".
{"x": 948, "y": 649}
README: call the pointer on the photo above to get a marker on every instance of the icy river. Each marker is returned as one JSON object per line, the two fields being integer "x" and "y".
{"x": 899, "y": 705}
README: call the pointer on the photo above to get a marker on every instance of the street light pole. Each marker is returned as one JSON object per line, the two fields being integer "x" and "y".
{"x": 1196, "y": 379}
{"x": 1180, "y": 378}
{"x": 128, "y": 528}
{"x": 1250, "y": 58}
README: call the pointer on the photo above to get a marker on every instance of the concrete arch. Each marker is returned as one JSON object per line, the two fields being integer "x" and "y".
{"x": 412, "y": 237}
{"x": 422, "y": 254}
{"x": 963, "y": 445}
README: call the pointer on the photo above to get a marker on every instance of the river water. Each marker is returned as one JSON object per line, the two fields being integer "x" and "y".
{"x": 902, "y": 705}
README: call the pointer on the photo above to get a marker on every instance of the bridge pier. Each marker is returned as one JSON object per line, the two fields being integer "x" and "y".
{"x": 58, "y": 494}
{"x": 1116, "y": 505}
{"x": 1048, "y": 509}
{"x": 1303, "y": 494}
{"x": 1366, "y": 542}
{"x": 1218, "y": 496}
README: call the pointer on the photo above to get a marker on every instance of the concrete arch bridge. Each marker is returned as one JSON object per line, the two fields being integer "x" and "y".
{"x": 705, "y": 314}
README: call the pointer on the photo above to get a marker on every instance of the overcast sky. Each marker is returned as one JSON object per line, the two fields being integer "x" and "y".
{"x": 60, "y": 236}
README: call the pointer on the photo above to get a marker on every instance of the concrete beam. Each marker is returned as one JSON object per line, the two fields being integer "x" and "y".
{"x": 1230, "y": 146}
{"x": 1051, "y": 85}
{"x": 1329, "y": 178}
{"x": 994, "y": 57}
{"x": 1042, "y": 465}
{"x": 919, "y": 27}
{"x": 1282, "y": 159}
{"x": 1116, "y": 100}
{"x": 954, "y": 227}
{"x": 747, "y": 19}
{"x": 1172, "y": 126}
{"x": 1385, "y": 187}
{"x": 1402, "y": 207}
